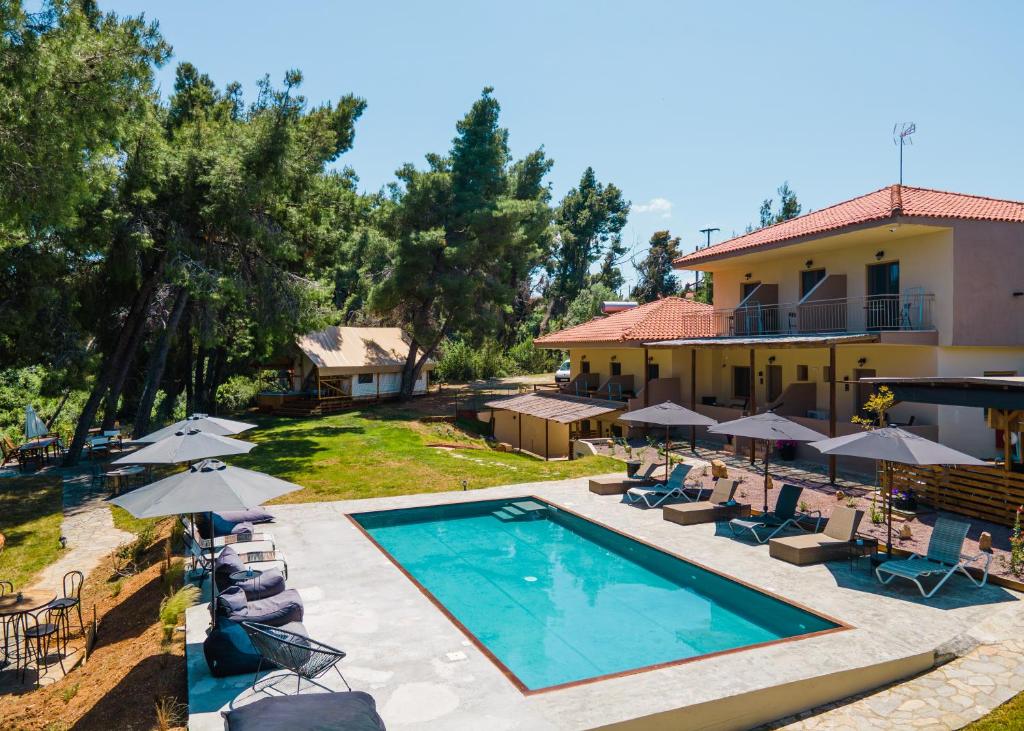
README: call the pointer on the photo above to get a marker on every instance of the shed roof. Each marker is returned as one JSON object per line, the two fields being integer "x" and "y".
{"x": 558, "y": 407}
{"x": 340, "y": 350}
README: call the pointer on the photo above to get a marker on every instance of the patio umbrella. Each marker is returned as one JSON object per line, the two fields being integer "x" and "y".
{"x": 201, "y": 422}
{"x": 189, "y": 445}
{"x": 892, "y": 444}
{"x": 206, "y": 487}
{"x": 769, "y": 427}
{"x": 34, "y": 426}
{"x": 668, "y": 415}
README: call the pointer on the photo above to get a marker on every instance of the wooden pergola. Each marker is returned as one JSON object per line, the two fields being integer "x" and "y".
{"x": 560, "y": 408}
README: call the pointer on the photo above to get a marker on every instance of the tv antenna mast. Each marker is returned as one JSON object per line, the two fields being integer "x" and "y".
{"x": 707, "y": 232}
{"x": 901, "y": 135}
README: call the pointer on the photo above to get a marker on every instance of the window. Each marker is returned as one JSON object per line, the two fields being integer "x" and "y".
{"x": 616, "y": 368}
{"x": 741, "y": 382}
{"x": 809, "y": 280}
{"x": 802, "y": 373}
{"x": 652, "y": 371}
{"x": 883, "y": 305}
{"x": 747, "y": 289}
{"x": 365, "y": 378}
{"x": 826, "y": 374}
{"x": 584, "y": 366}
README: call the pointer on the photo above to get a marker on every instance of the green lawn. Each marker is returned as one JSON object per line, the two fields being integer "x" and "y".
{"x": 383, "y": 451}
{"x": 30, "y": 519}
{"x": 1008, "y": 717}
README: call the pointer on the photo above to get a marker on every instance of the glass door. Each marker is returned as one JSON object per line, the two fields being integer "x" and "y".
{"x": 883, "y": 302}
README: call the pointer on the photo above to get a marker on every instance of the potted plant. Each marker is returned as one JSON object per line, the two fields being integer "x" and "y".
{"x": 787, "y": 450}
{"x": 632, "y": 465}
{"x": 906, "y": 501}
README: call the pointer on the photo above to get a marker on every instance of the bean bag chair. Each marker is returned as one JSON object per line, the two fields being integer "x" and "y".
{"x": 229, "y": 651}
{"x": 252, "y": 515}
{"x": 349, "y": 711}
{"x": 276, "y": 611}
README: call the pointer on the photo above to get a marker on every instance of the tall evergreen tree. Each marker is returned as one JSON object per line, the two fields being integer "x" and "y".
{"x": 589, "y": 220}
{"x": 655, "y": 270}
{"x": 789, "y": 207}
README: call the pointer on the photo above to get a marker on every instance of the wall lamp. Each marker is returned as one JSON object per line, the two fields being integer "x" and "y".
{"x": 809, "y": 263}
{"x": 861, "y": 361}
{"x": 879, "y": 255}
{"x": 748, "y": 275}
{"x": 614, "y": 357}
{"x": 771, "y": 359}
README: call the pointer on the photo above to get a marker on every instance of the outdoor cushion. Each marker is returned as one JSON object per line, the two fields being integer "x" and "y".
{"x": 239, "y": 528}
{"x": 226, "y": 563}
{"x": 268, "y": 584}
{"x": 252, "y": 515}
{"x": 275, "y": 610}
{"x": 229, "y": 651}
{"x": 349, "y": 711}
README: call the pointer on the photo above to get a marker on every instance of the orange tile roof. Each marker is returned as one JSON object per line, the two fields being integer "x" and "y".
{"x": 886, "y": 203}
{"x": 664, "y": 319}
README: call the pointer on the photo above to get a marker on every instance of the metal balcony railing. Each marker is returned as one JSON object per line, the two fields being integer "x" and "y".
{"x": 910, "y": 311}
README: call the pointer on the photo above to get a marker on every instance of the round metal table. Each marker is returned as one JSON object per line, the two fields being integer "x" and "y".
{"x": 12, "y": 608}
{"x": 245, "y": 574}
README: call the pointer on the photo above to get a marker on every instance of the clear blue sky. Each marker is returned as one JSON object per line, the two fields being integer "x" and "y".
{"x": 697, "y": 111}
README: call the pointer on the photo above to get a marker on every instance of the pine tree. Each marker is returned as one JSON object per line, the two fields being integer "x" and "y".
{"x": 655, "y": 270}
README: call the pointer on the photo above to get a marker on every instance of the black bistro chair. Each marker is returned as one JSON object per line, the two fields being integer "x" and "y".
{"x": 306, "y": 658}
{"x": 41, "y": 637}
{"x": 72, "y": 599}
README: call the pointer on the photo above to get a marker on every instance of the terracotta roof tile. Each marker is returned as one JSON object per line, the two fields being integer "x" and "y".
{"x": 876, "y": 206}
{"x": 664, "y": 319}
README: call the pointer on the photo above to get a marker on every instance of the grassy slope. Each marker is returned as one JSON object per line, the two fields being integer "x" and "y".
{"x": 1008, "y": 717}
{"x": 30, "y": 519}
{"x": 384, "y": 451}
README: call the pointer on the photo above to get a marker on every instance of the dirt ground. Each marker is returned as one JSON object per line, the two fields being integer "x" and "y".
{"x": 130, "y": 670}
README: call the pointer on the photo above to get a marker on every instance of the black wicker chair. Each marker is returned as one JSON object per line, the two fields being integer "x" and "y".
{"x": 306, "y": 658}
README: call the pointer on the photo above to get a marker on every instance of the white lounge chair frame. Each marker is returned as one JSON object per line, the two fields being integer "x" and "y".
{"x": 944, "y": 558}
{"x": 655, "y": 495}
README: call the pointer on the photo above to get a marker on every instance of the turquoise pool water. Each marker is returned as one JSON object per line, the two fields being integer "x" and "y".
{"x": 557, "y": 599}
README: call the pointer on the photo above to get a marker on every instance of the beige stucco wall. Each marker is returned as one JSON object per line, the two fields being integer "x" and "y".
{"x": 506, "y": 429}
{"x": 925, "y": 256}
{"x": 989, "y": 268}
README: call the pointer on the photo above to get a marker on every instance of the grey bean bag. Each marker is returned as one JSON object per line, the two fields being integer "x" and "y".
{"x": 229, "y": 651}
{"x": 275, "y": 611}
{"x": 271, "y": 583}
{"x": 351, "y": 711}
{"x": 252, "y": 515}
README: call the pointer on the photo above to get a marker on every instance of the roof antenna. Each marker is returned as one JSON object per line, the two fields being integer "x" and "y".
{"x": 901, "y": 135}
{"x": 707, "y": 232}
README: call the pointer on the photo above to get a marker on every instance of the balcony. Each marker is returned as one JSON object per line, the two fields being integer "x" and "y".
{"x": 908, "y": 312}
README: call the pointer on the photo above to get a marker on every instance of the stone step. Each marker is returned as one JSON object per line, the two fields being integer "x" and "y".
{"x": 502, "y": 515}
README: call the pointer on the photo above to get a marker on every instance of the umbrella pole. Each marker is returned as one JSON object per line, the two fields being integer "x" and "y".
{"x": 213, "y": 588}
{"x": 666, "y": 454}
{"x": 888, "y": 508}
{"x": 767, "y": 450}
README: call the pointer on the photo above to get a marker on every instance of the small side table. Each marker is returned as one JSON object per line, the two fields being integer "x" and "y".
{"x": 245, "y": 575}
{"x": 863, "y": 547}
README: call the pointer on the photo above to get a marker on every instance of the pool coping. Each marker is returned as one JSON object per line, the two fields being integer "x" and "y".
{"x": 841, "y": 626}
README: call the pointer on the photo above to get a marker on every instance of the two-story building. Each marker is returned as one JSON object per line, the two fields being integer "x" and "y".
{"x": 899, "y": 282}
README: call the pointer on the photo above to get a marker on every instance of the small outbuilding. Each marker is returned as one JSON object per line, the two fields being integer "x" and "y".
{"x": 338, "y": 365}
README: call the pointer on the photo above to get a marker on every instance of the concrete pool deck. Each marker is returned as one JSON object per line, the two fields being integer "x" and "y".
{"x": 424, "y": 673}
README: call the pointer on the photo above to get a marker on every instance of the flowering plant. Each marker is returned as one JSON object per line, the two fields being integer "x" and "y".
{"x": 1017, "y": 545}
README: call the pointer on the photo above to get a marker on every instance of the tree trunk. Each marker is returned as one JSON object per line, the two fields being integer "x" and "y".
{"x": 215, "y": 377}
{"x": 198, "y": 385}
{"x": 117, "y": 382}
{"x": 158, "y": 361}
{"x": 60, "y": 407}
{"x": 112, "y": 364}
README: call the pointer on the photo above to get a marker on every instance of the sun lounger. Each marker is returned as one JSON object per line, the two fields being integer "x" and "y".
{"x": 654, "y": 495}
{"x": 232, "y": 539}
{"x": 618, "y": 484}
{"x": 833, "y": 542}
{"x": 718, "y": 506}
{"x": 767, "y": 526}
{"x": 250, "y": 554}
{"x": 943, "y": 559}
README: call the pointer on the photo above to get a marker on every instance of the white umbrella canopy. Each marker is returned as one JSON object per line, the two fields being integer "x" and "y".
{"x": 201, "y": 422}
{"x": 667, "y": 414}
{"x": 186, "y": 446}
{"x": 892, "y": 444}
{"x": 34, "y": 426}
{"x": 208, "y": 486}
{"x": 770, "y": 427}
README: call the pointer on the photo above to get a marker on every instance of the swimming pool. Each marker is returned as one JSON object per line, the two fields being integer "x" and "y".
{"x": 556, "y": 599}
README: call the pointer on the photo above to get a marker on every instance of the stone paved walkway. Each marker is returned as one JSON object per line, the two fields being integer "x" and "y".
{"x": 949, "y": 697}
{"x": 89, "y": 529}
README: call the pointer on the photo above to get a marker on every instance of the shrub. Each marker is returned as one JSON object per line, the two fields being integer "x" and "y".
{"x": 173, "y": 606}
{"x": 237, "y": 393}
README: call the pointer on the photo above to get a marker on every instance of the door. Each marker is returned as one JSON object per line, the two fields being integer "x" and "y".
{"x": 773, "y": 382}
{"x": 809, "y": 280}
{"x": 749, "y": 315}
{"x": 883, "y": 302}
